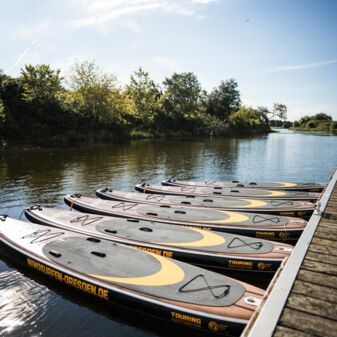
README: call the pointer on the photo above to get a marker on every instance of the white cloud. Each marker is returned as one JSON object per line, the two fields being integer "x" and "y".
{"x": 203, "y": 2}
{"x": 301, "y": 66}
{"x": 117, "y": 12}
{"x": 101, "y": 12}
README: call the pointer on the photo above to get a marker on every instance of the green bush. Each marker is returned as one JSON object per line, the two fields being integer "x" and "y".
{"x": 248, "y": 117}
{"x": 319, "y": 122}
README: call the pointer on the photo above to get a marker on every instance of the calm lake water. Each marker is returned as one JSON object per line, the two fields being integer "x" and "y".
{"x": 30, "y": 306}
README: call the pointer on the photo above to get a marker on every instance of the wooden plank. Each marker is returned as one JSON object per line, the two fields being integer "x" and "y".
{"x": 317, "y": 278}
{"x": 328, "y": 225}
{"x": 325, "y": 258}
{"x": 331, "y": 209}
{"x": 314, "y": 290}
{"x": 312, "y": 306}
{"x": 281, "y": 331}
{"x": 319, "y": 267}
{"x": 306, "y": 323}
{"x": 327, "y": 230}
{"x": 324, "y": 242}
{"x": 325, "y": 235}
{"x": 328, "y": 221}
{"x": 322, "y": 250}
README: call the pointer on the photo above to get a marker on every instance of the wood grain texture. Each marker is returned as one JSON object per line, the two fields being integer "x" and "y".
{"x": 281, "y": 331}
{"x": 306, "y": 323}
{"x": 312, "y": 306}
{"x": 316, "y": 291}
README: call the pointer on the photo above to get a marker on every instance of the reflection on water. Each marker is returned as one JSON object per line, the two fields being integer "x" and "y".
{"x": 43, "y": 176}
{"x": 22, "y": 304}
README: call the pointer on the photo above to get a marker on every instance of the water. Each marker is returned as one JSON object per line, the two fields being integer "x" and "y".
{"x": 31, "y": 306}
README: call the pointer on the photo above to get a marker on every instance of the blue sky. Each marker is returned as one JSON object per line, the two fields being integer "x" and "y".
{"x": 278, "y": 50}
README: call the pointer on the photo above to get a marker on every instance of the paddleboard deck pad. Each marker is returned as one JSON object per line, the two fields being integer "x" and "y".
{"x": 192, "y": 245}
{"x": 300, "y": 209}
{"x": 218, "y": 191}
{"x": 284, "y": 186}
{"x": 272, "y": 227}
{"x": 161, "y": 287}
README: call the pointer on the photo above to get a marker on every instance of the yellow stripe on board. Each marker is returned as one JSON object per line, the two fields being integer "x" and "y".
{"x": 169, "y": 273}
{"x": 233, "y": 217}
{"x": 282, "y": 184}
{"x": 209, "y": 239}
{"x": 271, "y": 193}
{"x": 253, "y": 203}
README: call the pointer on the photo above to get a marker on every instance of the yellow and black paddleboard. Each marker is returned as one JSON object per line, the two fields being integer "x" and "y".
{"x": 272, "y": 227}
{"x": 209, "y": 249}
{"x": 117, "y": 274}
{"x": 217, "y": 191}
{"x": 285, "y": 186}
{"x": 302, "y": 209}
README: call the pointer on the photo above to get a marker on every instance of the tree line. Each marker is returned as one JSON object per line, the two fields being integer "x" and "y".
{"x": 318, "y": 122}
{"x": 41, "y": 104}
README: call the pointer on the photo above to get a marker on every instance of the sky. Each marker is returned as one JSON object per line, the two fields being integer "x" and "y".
{"x": 277, "y": 50}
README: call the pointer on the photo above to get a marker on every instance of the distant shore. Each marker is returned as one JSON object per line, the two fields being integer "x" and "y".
{"x": 320, "y": 122}
{"x": 106, "y": 137}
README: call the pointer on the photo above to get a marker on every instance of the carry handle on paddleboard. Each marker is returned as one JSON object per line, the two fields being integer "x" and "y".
{"x": 3, "y": 217}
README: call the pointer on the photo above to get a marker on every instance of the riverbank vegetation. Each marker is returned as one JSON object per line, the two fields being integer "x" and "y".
{"x": 90, "y": 104}
{"x": 320, "y": 122}
{"x": 281, "y": 124}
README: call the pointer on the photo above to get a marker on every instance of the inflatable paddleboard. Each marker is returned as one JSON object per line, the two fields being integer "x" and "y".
{"x": 285, "y": 186}
{"x": 270, "y": 227}
{"x": 218, "y": 191}
{"x": 300, "y": 209}
{"x": 192, "y": 245}
{"x": 117, "y": 274}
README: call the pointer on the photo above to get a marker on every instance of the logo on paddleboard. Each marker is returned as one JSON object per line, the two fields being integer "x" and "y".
{"x": 261, "y": 266}
{"x": 213, "y": 326}
{"x": 282, "y": 235}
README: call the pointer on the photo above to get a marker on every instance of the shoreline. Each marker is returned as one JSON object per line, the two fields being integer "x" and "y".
{"x": 103, "y": 137}
{"x": 314, "y": 130}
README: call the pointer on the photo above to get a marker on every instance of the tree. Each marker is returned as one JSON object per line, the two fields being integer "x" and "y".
{"x": 145, "y": 95}
{"x": 95, "y": 94}
{"x": 2, "y": 113}
{"x": 40, "y": 83}
{"x": 318, "y": 122}
{"x": 279, "y": 111}
{"x": 182, "y": 97}
{"x": 322, "y": 117}
{"x": 248, "y": 118}
{"x": 263, "y": 113}
{"x": 32, "y": 103}
{"x": 287, "y": 124}
{"x": 224, "y": 100}
{"x": 2, "y": 108}
{"x": 303, "y": 120}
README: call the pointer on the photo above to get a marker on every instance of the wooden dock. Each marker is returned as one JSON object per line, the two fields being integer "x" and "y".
{"x": 302, "y": 298}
